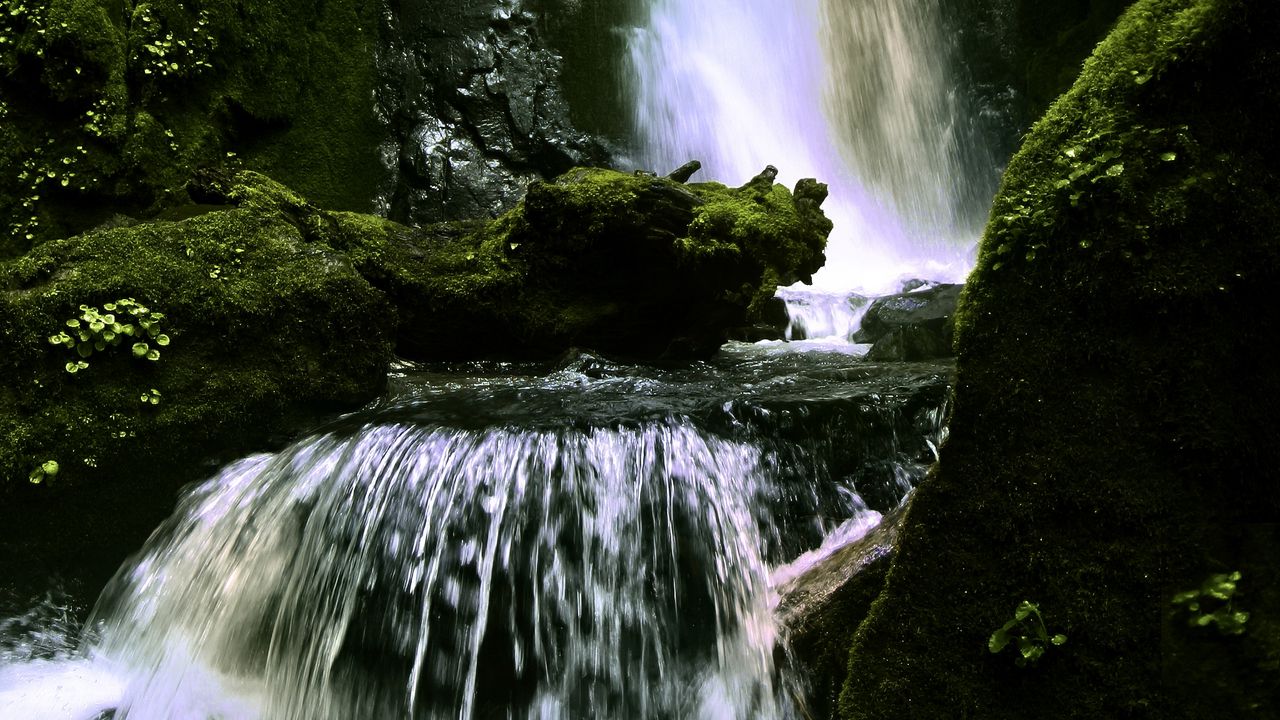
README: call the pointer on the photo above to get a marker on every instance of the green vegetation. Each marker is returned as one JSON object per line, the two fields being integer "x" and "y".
{"x": 1113, "y": 413}
{"x": 286, "y": 329}
{"x": 46, "y": 470}
{"x": 1213, "y": 604}
{"x": 96, "y": 330}
{"x": 1026, "y": 632}
{"x": 108, "y": 107}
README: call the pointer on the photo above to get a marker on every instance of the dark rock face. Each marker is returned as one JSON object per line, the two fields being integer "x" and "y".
{"x": 471, "y": 92}
{"x": 912, "y": 325}
{"x": 1021, "y": 54}
{"x": 1113, "y": 438}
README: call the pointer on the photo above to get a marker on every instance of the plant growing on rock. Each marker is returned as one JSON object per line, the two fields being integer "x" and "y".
{"x": 1028, "y": 632}
{"x": 95, "y": 330}
{"x": 1212, "y": 604}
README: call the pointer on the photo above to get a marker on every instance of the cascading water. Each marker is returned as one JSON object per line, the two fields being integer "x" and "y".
{"x": 424, "y": 572}
{"x": 856, "y": 94}
{"x": 601, "y": 541}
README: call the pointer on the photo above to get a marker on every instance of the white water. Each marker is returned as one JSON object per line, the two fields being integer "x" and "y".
{"x": 431, "y": 573}
{"x": 856, "y": 94}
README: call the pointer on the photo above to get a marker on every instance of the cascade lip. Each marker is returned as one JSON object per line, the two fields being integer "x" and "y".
{"x": 584, "y": 390}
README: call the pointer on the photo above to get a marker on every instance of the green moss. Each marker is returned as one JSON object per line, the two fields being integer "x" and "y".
{"x": 109, "y": 107}
{"x": 1112, "y": 404}
{"x": 267, "y": 327}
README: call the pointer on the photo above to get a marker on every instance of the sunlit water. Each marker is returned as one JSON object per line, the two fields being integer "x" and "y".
{"x": 592, "y": 540}
{"x": 856, "y": 94}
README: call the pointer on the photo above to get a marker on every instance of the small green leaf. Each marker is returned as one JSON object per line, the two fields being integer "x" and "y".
{"x": 1058, "y": 639}
{"x": 153, "y": 355}
{"x": 140, "y": 349}
{"x": 162, "y": 340}
{"x": 50, "y": 467}
{"x": 1169, "y": 156}
{"x": 999, "y": 640}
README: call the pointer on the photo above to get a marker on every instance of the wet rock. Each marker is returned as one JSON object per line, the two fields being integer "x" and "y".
{"x": 472, "y": 94}
{"x": 820, "y": 610}
{"x": 915, "y": 325}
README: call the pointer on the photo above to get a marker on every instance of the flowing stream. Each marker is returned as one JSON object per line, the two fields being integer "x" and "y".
{"x": 583, "y": 540}
{"x": 587, "y": 539}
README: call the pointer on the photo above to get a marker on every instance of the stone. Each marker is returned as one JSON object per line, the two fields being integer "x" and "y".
{"x": 915, "y": 325}
{"x": 819, "y": 610}
{"x": 472, "y": 94}
{"x": 631, "y": 265}
{"x": 1113, "y": 427}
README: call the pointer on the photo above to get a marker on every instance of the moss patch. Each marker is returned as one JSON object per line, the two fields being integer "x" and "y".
{"x": 1113, "y": 405}
{"x": 106, "y": 107}
{"x": 262, "y": 327}
{"x": 633, "y": 265}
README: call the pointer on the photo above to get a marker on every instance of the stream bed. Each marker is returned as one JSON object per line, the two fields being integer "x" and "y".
{"x": 490, "y": 540}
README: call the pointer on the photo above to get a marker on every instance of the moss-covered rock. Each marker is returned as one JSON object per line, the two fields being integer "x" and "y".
{"x": 132, "y": 355}
{"x": 632, "y": 265}
{"x": 1114, "y": 414}
{"x": 107, "y": 106}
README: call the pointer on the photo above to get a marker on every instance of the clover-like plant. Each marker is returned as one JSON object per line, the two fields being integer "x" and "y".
{"x": 44, "y": 471}
{"x": 1212, "y": 604}
{"x": 95, "y": 330}
{"x": 1028, "y": 632}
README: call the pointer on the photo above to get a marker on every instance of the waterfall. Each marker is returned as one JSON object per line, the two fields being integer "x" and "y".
{"x": 856, "y": 94}
{"x": 411, "y": 571}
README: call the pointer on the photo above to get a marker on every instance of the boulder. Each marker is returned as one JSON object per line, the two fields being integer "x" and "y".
{"x": 1113, "y": 428}
{"x": 630, "y": 265}
{"x": 203, "y": 339}
{"x": 473, "y": 97}
{"x": 916, "y": 325}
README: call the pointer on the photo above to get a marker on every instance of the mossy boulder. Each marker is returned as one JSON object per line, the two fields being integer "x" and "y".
{"x": 1113, "y": 433}
{"x": 630, "y": 265}
{"x": 249, "y": 331}
{"x": 107, "y": 107}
